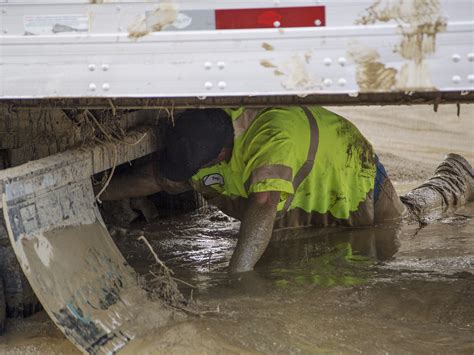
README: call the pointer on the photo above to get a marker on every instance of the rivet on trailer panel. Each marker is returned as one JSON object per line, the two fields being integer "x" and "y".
{"x": 91, "y": 67}
{"x": 106, "y": 86}
{"x": 276, "y": 24}
{"x": 342, "y": 61}
{"x": 207, "y": 65}
{"x": 317, "y": 22}
{"x": 208, "y": 85}
{"x": 221, "y": 85}
{"x": 456, "y": 79}
{"x": 470, "y": 57}
{"x": 117, "y": 8}
{"x": 456, "y": 58}
{"x": 470, "y": 78}
{"x": 4, "y": 11}
{"x": 327, "y": 61}
{"x": 342, "y": 82}
{"x": 327, "y": 82}
{"x": 5, "y": 31}
{"x": 92, "y": 87}
{"x": 105, "y": 67}
{"x": 221, "y": 65}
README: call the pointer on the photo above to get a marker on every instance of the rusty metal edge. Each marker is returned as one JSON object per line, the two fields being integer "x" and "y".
{"x": 360, "y": 99}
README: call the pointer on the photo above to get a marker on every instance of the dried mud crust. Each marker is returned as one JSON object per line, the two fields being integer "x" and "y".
{"x": 20, "y": 300}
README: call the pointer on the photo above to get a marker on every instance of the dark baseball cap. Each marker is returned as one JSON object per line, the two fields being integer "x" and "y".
{"x": 196, "y": 139}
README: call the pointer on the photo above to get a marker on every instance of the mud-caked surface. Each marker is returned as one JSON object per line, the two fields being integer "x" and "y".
{"x": 395, "y": 289}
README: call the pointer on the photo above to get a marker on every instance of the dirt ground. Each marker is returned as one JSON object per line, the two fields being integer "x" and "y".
{"x": 420, "y": 302}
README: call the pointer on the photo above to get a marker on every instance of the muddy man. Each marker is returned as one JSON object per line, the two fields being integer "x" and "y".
{"x": 277, "y": 168}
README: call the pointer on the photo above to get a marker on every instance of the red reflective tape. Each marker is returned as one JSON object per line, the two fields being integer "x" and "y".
{"x": 308, "y": 16}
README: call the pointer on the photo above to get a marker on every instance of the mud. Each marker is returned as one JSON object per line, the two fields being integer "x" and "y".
{"x": 371, "y": 74}
{"x": 388, "y": 289}
{"x": 267, "y": 46}
{"x": 418, "y": 22}
{"x": 294, "y": 70}
{"x": 153, "y": 21}
{"x": 267, "y": 64}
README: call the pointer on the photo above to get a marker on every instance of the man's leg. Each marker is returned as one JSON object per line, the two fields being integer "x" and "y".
{"x": 451, "y": 185}
{"x": 387, "y": 205}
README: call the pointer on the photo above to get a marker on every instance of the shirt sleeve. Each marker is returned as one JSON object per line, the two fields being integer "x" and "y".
{"x": 269, "y": 158}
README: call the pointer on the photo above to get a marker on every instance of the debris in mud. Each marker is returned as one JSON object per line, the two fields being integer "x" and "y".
{"x": 160, "y": 284}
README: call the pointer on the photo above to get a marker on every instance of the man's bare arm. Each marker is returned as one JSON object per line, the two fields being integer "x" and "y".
{"x": 255, "y": 231}
{"x": 140, "y": 181}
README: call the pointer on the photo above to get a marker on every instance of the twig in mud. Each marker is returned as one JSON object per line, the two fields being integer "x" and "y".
{"x": 97, "y": 197}
{"x": 144, "y": 240}
{"x": 164, "y": 287}
{"x": 170, "y": 113}
{"x": 104, "y": 132}
{"x": 183, "y": 282}
{"x": 114, "y": 109}
{"x": 173, "y": 278}
{"x": 138, "y": 141}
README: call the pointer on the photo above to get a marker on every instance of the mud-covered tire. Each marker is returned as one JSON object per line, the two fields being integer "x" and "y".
{"x": 20, "y": 300}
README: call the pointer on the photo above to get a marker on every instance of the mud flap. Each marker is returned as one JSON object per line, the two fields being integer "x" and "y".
{"x": 64, "y": 249}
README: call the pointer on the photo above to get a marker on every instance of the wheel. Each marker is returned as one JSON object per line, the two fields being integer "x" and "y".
{"x": 20, "y": 300}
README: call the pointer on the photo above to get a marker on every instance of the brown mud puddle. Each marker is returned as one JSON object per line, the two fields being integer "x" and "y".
{"x": 387, "y": 289}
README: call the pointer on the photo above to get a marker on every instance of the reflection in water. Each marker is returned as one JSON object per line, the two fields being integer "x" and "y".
{"x": 393, "y": 289}
{"x": 199, "y": 246}
{"x": 336, "y": 259}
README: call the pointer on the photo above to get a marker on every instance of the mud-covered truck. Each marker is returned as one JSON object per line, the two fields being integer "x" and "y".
{"x": 84, "y": 85}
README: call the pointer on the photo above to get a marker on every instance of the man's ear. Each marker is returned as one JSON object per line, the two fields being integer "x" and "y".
{"x": 227, "y": 153}
{"x": 224, "y": 154}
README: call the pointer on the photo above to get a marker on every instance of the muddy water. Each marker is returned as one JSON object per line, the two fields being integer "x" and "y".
{"x": 386, "y": 289}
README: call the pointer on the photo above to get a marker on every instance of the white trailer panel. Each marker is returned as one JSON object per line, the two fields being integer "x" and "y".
{"x": 173, "y": 49}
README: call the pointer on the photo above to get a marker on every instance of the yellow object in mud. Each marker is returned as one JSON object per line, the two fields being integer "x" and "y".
{"x": 320, "y": 163}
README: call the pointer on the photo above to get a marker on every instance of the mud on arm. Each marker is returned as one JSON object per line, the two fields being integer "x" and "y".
{"x": 255, "y": 231}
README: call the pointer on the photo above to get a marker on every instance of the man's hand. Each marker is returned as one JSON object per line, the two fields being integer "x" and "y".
{"x": 255, "y": 230}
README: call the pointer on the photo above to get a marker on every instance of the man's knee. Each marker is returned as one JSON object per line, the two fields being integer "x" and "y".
{"x": 388, "y": 205}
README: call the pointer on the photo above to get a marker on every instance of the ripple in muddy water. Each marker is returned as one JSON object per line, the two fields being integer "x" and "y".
{"x": 389, "y": 289}
{"x": 384, "y": 289}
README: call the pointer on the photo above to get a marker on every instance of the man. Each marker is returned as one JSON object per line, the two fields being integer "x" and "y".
{"x": 285, "y": 167}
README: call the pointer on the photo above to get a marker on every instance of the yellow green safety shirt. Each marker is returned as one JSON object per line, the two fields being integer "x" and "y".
{"x": 320, "y": 163}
